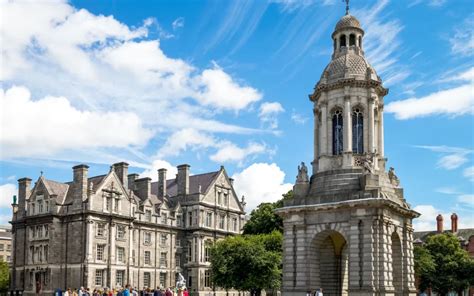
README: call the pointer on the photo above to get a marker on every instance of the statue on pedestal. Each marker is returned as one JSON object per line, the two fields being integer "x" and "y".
{"x": 302, "y": 174}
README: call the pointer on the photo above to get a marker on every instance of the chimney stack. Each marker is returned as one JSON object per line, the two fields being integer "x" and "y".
{"x": 80, "y": 185}
{"x": 121, "y": 169}
{"x": 24, "y": 192}
{"x": 143, "y": 186}
{"x": 183, "y": 179}
{"x": 131, "y": 181}
{"x": 162, "y": 182}
{"x": 439, "y": 223}
{"x": 454, "y": 223}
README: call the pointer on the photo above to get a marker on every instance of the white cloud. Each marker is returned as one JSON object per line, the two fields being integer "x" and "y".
{"x": 447, "y": 190}
{"x": 462, "y": 41}
{"x": 184, "y": 139}
{"x": 178, "y": 23}
{"x": 453, "y": 157}
{"x": 229, "y": 152}
{"x": 45, "y": 126}
{"x": 427, "y": 220}
{"x": 467, "y": 199}
{"x": 453, "y": 102}
{"x": 469, "y": 173}
{"x": 261, "y": 182}
{"x": 6, "y": 195}
{"x": 269, "y": 112}
{"x": 157, "y": 164}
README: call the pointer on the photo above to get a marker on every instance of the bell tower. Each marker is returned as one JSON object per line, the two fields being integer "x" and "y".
{"x": 348, "y": 229}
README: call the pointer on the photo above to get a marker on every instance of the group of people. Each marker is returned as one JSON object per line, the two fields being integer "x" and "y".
{"x": 126, "y": 291}
{"x": 318, "y": 292}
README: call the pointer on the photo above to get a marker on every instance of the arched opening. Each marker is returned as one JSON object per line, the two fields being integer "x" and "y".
{"x": 357, "y": 131}
{"x": 329, "y": 266}
{"x": 342, "y": 40}
{"x": 352, "y": 40}
{"x": 360, "y": 41}
{"x": 337, "y": 133}
{"x": 397, "y": 272}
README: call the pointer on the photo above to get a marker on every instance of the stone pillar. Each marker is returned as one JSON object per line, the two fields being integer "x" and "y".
{"x": 380, "y": 146}
{"x": 371, "y": 122}
{"x": 409, "y": 263}
{"x": 316, "y": 141}
{"x": 347, "y": 159}
{"x": 324, "y": 130}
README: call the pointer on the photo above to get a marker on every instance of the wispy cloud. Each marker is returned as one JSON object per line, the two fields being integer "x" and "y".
{"x": 452, "y": 157}
{"x": 469, "y": 173}
{"x": 298, "y": 118}
{"x": 432, "y": 3}
{"x": 462, "y": 41}
{"x": 178, "y": 23}
{"x": 269, "y": 113}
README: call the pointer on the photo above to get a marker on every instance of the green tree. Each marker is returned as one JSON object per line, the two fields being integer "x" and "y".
{"x": 4, "y": 276}
{"x": 443, "y": 265}
{"x": 264, "y": 220}
{"x": 248, "y": 262}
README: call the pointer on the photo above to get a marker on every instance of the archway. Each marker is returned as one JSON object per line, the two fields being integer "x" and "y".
{"x": 329, "y": 263}
{"x": 397, "y": 271}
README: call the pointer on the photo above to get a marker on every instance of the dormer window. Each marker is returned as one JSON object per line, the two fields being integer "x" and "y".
{"x": 148, "y": 215}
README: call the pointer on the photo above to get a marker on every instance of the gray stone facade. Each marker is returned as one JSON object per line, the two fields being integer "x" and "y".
{"x": 348, "y": 229}
{"x": 114, "y": 229}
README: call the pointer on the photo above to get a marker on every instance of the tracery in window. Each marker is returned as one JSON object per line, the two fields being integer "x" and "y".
{"x": 357, "y": 131}
{"x": 337, "y": 133}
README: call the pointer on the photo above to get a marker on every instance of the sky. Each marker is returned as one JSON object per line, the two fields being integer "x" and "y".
{"x": 211, "y": 83}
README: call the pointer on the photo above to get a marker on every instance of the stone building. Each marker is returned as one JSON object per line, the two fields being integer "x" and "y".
{"x": 5, "y": 244}
{"x": 348, "y": 229}
{"x": 117, "y": 228}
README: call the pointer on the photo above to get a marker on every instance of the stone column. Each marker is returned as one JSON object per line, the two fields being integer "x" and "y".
{"x": 347, "y": 160}
{"x": 316, "y": 141}
{"x": 371, "y": 122}
{"x": 380, "y": 133}
{"x": 324, "y": 130}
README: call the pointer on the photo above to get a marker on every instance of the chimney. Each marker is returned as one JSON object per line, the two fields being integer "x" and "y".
{"x": 183, "y": 179}
{"x": 231, "y": 182}
{"x": 161, "y": 182}
{"x": 121, "y": 169}
{"x": 80, "y": 185}
{"x": 439, "y": 223}
{"x": 131, "y": 181}
{"x": 454, "y": 223}
{"x": 143, "y": 187}
{"x": 24, "y": 191}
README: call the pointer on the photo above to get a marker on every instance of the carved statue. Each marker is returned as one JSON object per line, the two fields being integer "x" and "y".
{"x": 181, "y": 282}
{"x": 393, "y": 178}
{"x": 368, "y": 163}
{"x": 302, "y": 174}
{"x": 14, "y": 199}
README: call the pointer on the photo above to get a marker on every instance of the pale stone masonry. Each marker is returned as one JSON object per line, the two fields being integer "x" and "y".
{"x": 114, "y": 229}
{"x": 348, "y": 229}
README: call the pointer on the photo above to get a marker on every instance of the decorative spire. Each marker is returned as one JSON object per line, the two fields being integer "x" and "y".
{"x": 347, "y": 6}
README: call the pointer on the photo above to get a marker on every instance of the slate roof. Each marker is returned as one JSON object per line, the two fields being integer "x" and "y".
{"x": 422, "y": 236}
{"x": 205, "y": 180}
{"x": 53, "y": 187}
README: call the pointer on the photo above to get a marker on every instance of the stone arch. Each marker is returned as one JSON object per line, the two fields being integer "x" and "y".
{"x": 352, "y": 40}
{"x": 397, "y": 265}
{"x": 329, "y": 261}
{"x": 342, "y": 40}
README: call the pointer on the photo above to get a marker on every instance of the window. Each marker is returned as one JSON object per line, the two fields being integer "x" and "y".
{"x": 207, "y": 278}
{"x": 147, "y": 238}
{"x": 39, "y": 250}
{"x": 178, "y": 220}
{"x": 164, "y": 238}
{"x": 357, "y": 131}
{"x": 190, "y": 220}
{"x": 190, "y": 281}
{"x": 234, "y": 224}
{"x": 226, "y": 199}
{"x": 100, "y": 252}
{"x": 196, "y": 217}
{"x": 209, "y": 219}
{"x": 2, "y": 247}
{"x": 46, "y": 253}
{"x": 189, "y": 251}
{"x": 337, "y": 137}
{"x": 342, "y": 40}
{"x": 178, "y": 260}
{"x": 108, "y": 203}
{"x": 46, "y": 206}
{"x": 163, "y": 278}
{"x": 120, "y": 232}
{"x": 146, "y": 279}
{"x": 119, "y": 276}
{"x": 352, "y": 40}
{"x": 163, "y": 261}
{"x": 32, "y": 208}
{"x": 99, "y": 277}
{"x": 32, "y": 254}
{"x": 120, "y": 254}
{"x": 33, "y": 232}
{"x": 148, "y": 215}
{"x": 39, "y": 231}
{"x": 222, "y": 222}
{"x": 9, "y": 258}
{"x": 116, "y": 205}
{"x": 219, "y": 198}
{"x": 40, "y": 206}
{"x": 100, "y": 229}
{"x": 164, "y": 218}
{"x": 46, "y": 231}
{"x": 207, "y": 252}
{"x": 147, "y": 257}
{"x": 178, "y": 242}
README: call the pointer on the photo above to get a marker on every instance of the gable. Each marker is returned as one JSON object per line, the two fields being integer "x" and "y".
{"x": 221, "y": 189}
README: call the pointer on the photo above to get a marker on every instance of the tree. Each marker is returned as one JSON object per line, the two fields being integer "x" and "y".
{"x": 248, "y": 262}
{"x": 4, "y": 276}
{"x": 264, "y": 220}
{"x": 443, "y": 265}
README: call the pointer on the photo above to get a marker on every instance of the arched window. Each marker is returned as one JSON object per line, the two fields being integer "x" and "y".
{"x": 357, "y": 131}
{"x": 342, "y": 41}
{"x": 337, "y": 137}
{"x": 360, "y": 41}
{"x": 352, "y": 40}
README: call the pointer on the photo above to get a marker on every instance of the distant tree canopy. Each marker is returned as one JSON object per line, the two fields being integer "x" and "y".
{"x": 4, "y": 276}
{"x": 443, "y": 265}
{"x": 264, "y": 220}
{"x": 248, "y": 262}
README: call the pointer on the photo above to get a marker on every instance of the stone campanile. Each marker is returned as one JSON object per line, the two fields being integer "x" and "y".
{"x": 348, "y": 229}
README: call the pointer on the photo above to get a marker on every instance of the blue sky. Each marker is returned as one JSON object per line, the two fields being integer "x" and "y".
{"x": 214, "y": 83}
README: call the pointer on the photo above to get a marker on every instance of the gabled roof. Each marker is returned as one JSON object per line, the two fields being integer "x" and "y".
{"x": 203, "y": 180}
{"x": 56, "y": 188}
